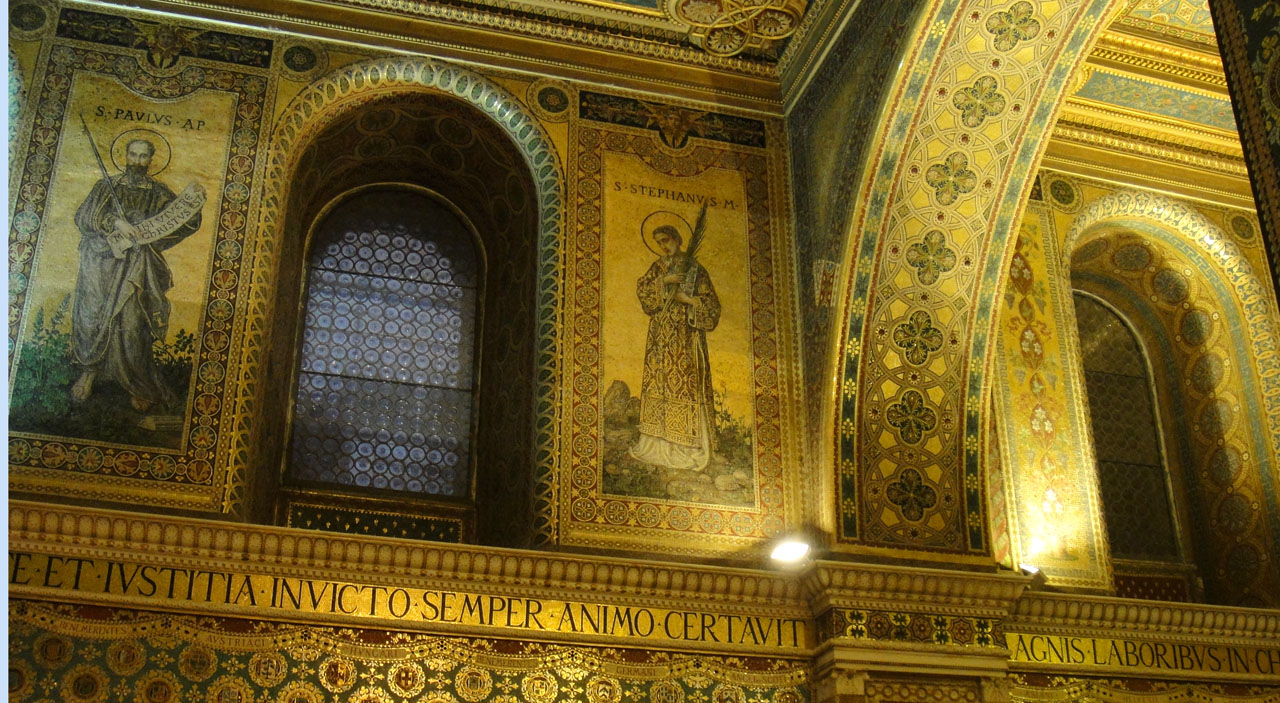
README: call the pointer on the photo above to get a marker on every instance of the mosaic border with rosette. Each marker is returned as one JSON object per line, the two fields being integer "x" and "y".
{"x": 591, "y": 516}
{"x": 195, "y": 474}
{"x": 92, "y": 654}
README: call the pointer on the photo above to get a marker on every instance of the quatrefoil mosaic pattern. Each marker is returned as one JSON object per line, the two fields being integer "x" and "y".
{"x": 978, "y": 91}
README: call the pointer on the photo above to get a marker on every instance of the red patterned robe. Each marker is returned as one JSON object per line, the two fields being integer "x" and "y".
{"x": 676, "y": 414}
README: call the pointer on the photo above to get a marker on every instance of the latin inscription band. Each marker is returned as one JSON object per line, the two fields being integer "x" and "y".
{"x": 316, "y": 596}
{"x": 1066, "y": 652}
{"x": 390, "y": 604}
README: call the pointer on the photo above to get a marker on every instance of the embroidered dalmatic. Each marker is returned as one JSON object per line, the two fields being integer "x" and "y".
{"x": 676, "y": 413}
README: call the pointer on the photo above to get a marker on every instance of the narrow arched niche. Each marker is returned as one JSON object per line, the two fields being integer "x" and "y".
{"x": 438, "y": 143}
{"x": 1202, "y": 372}
{"x": 1140, "y": 488}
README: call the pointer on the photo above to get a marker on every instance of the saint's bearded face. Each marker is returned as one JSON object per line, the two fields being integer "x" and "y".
{"x": 138, "y": 160}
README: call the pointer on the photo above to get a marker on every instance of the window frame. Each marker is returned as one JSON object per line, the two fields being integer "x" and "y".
{"x": 293, "y": 490}
{"x": 1175, "y": 488}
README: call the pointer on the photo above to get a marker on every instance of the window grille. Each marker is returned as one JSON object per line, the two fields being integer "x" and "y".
{"x": 1133, "y": 479}
{"x": 387, "y": 360}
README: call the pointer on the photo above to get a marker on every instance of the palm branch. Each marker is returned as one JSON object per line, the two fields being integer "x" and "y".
{"x": 695, "y": 241}
{"x": 699, "y": 229}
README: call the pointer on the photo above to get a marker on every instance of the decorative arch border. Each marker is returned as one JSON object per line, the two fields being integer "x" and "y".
{"x": 338, "y": 93}
{"x": 1227, "y": 268}
{"x": 1228, "y": 273}
{"x": 15, "y": 97}
{"x": 953, "y": 162}
{"x": 17, "y": 104}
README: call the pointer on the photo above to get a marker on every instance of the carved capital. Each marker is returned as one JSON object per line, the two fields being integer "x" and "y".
{"x": 840, "y": 684}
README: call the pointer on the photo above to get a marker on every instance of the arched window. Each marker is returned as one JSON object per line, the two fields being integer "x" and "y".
{"x": 387, "y": 353}
{"x": 1134, "y": 481}
{"x": 413, "y": 221}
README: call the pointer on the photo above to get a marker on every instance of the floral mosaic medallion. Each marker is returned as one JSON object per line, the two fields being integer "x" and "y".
{"x": 303, "y": 61}
{"x": 251, "y": 662}
{"x": 551, "y": 100}
{"x": 30, "y": 20}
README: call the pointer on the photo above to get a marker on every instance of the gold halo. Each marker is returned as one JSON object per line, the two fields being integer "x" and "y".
{"x": 163, "y": 151}
{"x": 659, "y": 218}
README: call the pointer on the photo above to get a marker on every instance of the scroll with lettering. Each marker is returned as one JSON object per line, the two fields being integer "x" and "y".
{"x": 163, "y": 224}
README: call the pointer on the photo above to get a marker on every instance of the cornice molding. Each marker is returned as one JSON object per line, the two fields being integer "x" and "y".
{"x": 1166, "y": 140}
{"x": 1082, "y": 160}
{"x": 913, "y": 589}
{"x": 1099, "y": 616}
{"x": 1167, "y": 32}
{"x": 528, "y": 43}
{"x": 822, "y": 590}
{"x": 86, "y": 532}
{"x": 637, "y": 34}
{"x": 1195, "y": 68}
{"x": 821, "y": 26}
{"x": 1125, "y": 142}
{"x": 164, "y": 540}
{"x": 838, "y": 661}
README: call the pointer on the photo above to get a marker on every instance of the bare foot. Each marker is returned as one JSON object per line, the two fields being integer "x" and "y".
{"x": 141, "y": 404}
{"x": 83, "y": 387}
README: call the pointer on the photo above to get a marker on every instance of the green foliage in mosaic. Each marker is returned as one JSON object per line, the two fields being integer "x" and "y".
{"x": 43, "y": 369}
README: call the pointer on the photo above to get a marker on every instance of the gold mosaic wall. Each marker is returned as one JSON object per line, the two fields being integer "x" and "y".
{"x": 83, "y": 654}
{"x": 1192, "y": 282}
{"x": 1054, "y": 493}
{"x": 661, "y": 419}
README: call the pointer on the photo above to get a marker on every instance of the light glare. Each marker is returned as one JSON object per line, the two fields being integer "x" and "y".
{"x": 790, "y": 551}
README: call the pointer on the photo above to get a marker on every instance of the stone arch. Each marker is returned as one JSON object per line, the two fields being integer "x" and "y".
{"x": 341, "y": 93}
{"x": 936, "y": 216}
{"x": 1176, "y": 232}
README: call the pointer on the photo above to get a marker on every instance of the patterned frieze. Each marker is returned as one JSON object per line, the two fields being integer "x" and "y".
{"x": 85, "y": 654}
{"x": 1149, "y": 56}
{"x": 912, "y": 628}
{"x": 1049, "y": 688}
